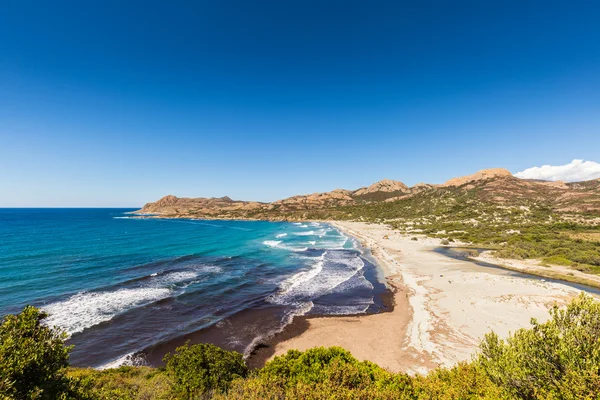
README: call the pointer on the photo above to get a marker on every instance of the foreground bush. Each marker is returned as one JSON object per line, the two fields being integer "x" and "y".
{"x": 203, "y": 368}
{"x": 558, "y": 359}
{"x": 322, "y": 373}
{"x": 464, "y": 381}
{"x": 124, "y": 383}
{"x": 33, "y": 358}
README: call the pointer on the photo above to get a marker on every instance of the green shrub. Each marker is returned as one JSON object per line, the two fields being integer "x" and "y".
{"x": 33, "y": 358}
{"x": 334, "y": 367}
{"x": 558, "y": 260}
{"x": 124, "y": 383}
{"x": 464, "y": 381}
{"x": 203, "y": 368}
{"x": 322, "y": 373}
{"x": 559, "y": 359}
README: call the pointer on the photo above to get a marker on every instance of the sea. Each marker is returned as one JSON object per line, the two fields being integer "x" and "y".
{"x": 128, "y": 289}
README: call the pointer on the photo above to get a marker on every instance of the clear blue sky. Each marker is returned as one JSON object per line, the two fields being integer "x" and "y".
{"x": 115, "y": 103}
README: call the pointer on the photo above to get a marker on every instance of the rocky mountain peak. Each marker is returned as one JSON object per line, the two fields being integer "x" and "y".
{"x": 385, "y": 185}
{"x": 167, "y": 200}
{"x": 478, "y": 176}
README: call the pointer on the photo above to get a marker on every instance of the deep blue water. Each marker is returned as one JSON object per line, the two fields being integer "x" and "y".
{"x": 119, "y": 284}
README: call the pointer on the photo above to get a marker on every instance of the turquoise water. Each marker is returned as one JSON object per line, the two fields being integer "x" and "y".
{"x": 123, "y": 286}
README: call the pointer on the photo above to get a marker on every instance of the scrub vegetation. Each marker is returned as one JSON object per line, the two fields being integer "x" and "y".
{"x": 558, "y": 359}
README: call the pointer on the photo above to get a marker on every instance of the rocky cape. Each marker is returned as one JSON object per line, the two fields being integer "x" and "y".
{"x": 495, "y": 186}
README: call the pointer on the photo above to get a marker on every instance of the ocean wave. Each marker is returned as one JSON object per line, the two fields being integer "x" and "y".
{"x": 281, "y": 235}
{"x": 331, "y": 270}
{"x": 130, "y": 359}
{"x": 307, "y": 233}
{"x": 291, "y": 284}
{"x": 276, "y": 244}
{"x": 272, "y": 243}
{"x": 334, "y": 244}
{"x": 87, "y": 309}
{"x": 298, "y": 310}
{"x": 348, "y": 309}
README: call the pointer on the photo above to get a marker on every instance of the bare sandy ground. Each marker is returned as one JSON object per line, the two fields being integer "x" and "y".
{"x": 444, "y": 306}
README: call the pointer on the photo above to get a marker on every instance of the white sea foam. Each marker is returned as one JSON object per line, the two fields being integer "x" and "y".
{"x": 322, "y": 278}
{"x": 212, "y": 269}
{"x": 277, "y": 245}
{"x": 299, "y": 309}
{"x": 177, "y": 277}
{"x": 347, "y": 309}
{"x": 293, "y": 282}
{"x": 312, "y": 242}
{"x": 127, "y": 360}
{"x": 272, "y": 243}
{"x": 307, "y": 233}
{"x": 335, "y": 244}
{"x": 87, "y": 309}
{"x": 281, "y": 235}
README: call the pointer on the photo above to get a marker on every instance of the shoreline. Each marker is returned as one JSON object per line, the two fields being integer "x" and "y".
{"x": 527, "y": 266}
{"x": 266, "y": 349}
{"x": 442, "y": 306}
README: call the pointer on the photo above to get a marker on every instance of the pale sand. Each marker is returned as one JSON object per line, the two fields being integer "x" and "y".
{"x": 443, "y": 306}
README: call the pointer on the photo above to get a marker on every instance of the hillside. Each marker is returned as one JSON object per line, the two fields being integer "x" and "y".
{"x": 392, "y": 199}
{"x": 557, "y": 223}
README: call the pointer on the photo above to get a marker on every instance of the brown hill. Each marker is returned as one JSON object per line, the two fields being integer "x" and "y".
{"x": 496, "y": 187}
{"x": 478, "y": 176}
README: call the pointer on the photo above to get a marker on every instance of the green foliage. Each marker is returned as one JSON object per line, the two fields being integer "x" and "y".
{"x": 332, "y": 365}
{"x": 124, "y": 383}
{"x": 203, "y": 368}
{"x": 464, "y": 381}
{"x": 33, "y": 358}
{"x": 322, "y": 373}
{"x": 558, "y": 359}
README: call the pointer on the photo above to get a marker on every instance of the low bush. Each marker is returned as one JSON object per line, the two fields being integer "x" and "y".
{"x": 33, "y": 358}
{"x": 557, "y": 359}
{"x": 203, "y": 368}
{"x": 124, "y": 383}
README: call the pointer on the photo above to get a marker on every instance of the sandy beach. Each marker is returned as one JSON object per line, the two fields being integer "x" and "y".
{"x": 443, "y": 306}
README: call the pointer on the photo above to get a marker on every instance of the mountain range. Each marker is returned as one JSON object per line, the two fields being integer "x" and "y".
{"x": 492, "y": 186}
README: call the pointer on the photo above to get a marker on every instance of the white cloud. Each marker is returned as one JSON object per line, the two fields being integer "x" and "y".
{"x": 577, "y": 170}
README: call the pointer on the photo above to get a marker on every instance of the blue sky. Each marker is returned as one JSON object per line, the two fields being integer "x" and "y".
{"x": 117, "y": 103}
